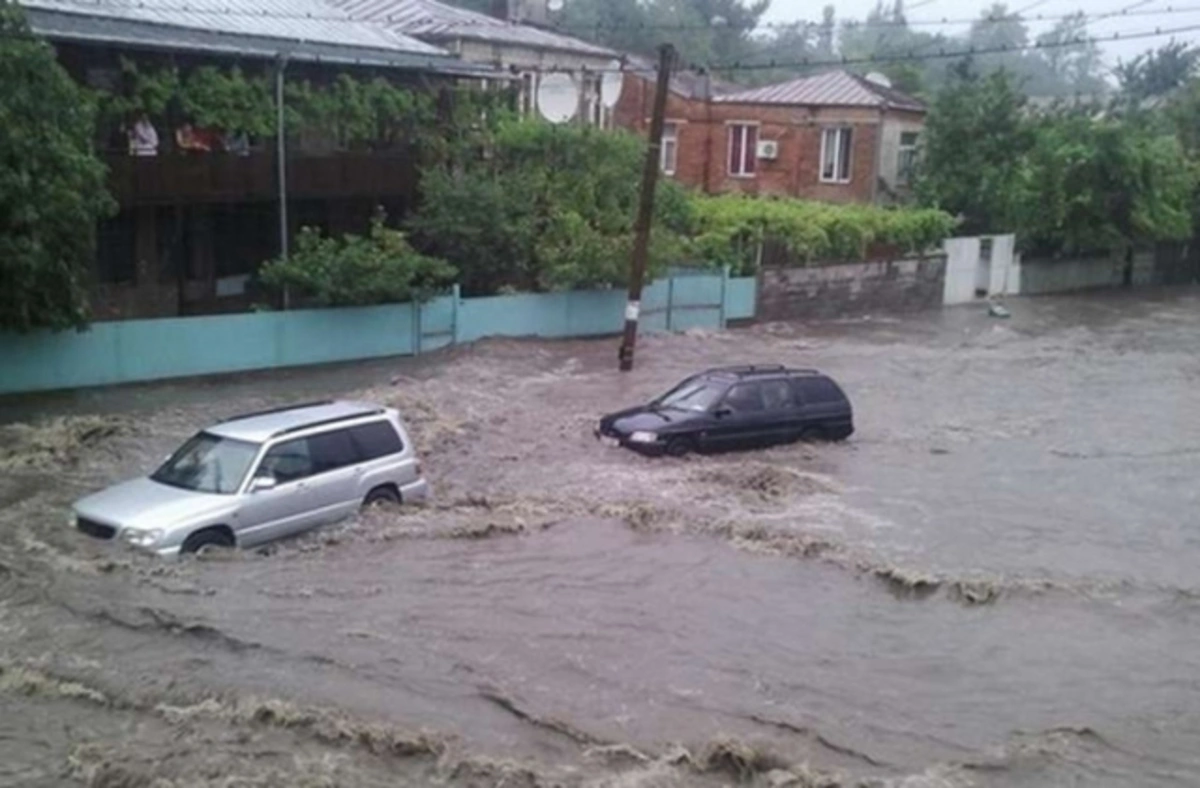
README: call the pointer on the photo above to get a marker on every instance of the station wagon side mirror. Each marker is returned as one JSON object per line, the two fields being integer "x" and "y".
{"x": 723, "y": 412}
{"x": 263, "y": 484}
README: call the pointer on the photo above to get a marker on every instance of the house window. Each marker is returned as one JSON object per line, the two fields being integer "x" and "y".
{"x": 907, "y": 164}
{"x": 669, "y": 156}
{"x": 743, "y": 150}
{"x": 835, "y": 155}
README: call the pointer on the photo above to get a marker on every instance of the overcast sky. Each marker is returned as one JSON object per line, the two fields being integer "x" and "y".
{"x": 928, "y": 10}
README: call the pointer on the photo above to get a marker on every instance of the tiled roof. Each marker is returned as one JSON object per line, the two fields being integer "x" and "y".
{"x": 831, "y": 89}
{"x": 310, "y": 21}
{"x": 438, "y": 21}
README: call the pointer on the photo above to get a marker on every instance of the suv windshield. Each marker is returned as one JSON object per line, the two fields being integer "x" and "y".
{"x": 694, "y": 395}
{"x": 208, "y": 463}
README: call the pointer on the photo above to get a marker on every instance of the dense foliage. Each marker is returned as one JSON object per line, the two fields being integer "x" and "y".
{"x": 1066, "y": 181}
{"x": 52, "y": 187}
{"x": 378, "y": 268}
{"x": 344, "y": 113}
{"x": 544, "y": 208}
{"x": 729, "y": 229}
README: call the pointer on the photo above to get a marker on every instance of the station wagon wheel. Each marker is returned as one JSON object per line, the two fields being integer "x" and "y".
{"x": 812, "y": 434}
{"x": 680, "y": 447}
{"x": 207, "y": 541}
{"x": 382, "y": 497}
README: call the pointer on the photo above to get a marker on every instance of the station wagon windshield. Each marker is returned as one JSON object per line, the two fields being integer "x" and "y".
{"x": 208, "y": 463}
{"x": 696, "y": 395}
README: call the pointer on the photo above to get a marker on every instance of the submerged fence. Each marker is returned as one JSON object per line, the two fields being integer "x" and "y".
{"x": 142, "y": 350}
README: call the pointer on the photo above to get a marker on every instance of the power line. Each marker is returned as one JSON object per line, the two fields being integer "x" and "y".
{"x": 1134, "y": 11}
{"x": 737, "y": 66}
{"x": 961, "y": 53}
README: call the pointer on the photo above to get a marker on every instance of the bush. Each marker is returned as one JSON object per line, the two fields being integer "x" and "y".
{"x": 730, "y": 228}
{"x": 379, "y": 268}
{"x": 546, "y": 208}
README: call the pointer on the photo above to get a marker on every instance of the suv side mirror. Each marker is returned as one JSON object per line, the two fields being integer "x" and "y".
{"x": 723, "y": 412}
{"x": 263, "y": 484}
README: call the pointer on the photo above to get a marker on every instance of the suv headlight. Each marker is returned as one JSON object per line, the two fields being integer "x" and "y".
{"x": 142, "y": 538}
{"x": 643, "y": 437}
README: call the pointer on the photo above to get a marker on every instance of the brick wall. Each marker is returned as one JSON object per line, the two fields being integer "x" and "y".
{"x": 860, "y": 288}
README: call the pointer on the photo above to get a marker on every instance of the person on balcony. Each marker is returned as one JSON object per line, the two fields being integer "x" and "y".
{"x": 189, "y": 139}
{"x": 143, "y": 137}
{"x": 237, "y": 143}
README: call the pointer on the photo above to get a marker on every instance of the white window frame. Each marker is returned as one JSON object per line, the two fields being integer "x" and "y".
{"x": 669, "y": 164}
{"x": 844, "y": 143}
{"x": 909, "y": 152}
{"x": 749, "y": 153}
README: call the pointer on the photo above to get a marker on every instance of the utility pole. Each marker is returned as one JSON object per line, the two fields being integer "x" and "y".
{"x": 645, "y": 218}
{"x": 281, "y": 169}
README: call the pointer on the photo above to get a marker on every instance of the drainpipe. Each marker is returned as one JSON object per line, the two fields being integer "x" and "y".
{"x": 706, "y": 96}
{"x": 878, "y": 158}
{"x": 281, "y": 154}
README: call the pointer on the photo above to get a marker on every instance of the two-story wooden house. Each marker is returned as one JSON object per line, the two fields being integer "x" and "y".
{"x": 202, "y": 208}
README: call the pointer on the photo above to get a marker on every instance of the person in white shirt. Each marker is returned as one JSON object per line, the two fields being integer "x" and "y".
{"x": 143, "y": 139}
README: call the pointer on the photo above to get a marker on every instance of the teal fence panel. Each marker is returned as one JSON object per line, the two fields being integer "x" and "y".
{"x": 593, "y": 313}
{"x": 143, "y": 350}
{"x": 524, "y": 315}
{"x": 438, "y": 323}
{"x": 655, "y": 308}
{"x": 322, "y": 336}
{"x": 741, "y": 298}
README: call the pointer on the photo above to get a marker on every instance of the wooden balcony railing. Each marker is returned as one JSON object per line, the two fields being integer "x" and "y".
{"x": 219, "y": 177}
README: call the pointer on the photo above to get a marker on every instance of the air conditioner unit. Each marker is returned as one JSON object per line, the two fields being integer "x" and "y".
{"x": 768, "y": 149}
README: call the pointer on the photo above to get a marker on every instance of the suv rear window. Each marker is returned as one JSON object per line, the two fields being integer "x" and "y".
{"x": 819, "y": 390}
{"x": 375, "y": 440}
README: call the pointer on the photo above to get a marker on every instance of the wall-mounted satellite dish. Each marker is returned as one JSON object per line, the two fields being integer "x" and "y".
{"x": 612, "y": 82}
{"x": 558, "y": 98}
{"x": 879, "y": 79}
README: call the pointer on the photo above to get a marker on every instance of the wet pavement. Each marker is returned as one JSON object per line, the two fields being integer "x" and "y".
{"x": 990, "y": 584}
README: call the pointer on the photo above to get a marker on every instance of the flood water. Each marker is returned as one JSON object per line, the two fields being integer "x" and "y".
{"x": 991, "y": 584}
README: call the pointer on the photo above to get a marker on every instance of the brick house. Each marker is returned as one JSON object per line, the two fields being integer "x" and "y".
{"x": 837, "y": 136}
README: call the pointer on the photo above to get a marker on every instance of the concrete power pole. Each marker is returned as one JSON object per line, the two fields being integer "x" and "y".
{"x": 645, "y": 218}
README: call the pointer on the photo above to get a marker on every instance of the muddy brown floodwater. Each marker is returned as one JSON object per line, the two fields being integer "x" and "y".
{"x": 991, "y": 584}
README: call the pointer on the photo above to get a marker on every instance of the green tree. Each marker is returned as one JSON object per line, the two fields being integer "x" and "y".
{"x": 1157, "y": 73}
{"x": 1072, "y": 58}
{"x": 355, "y": 270}
{"x": 1103, "y": 184}
{"x": 52, "y": 186}
{"x": 550, "y": 207}
{"x": 975, "y": 138}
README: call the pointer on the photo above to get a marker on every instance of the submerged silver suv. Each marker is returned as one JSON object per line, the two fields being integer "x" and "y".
{"x": 259, "y": 477}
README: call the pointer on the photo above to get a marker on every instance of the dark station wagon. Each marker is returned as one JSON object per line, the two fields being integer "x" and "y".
{"x": 733, "y": 408}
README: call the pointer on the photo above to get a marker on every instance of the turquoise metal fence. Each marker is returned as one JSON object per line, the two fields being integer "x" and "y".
{"x": 142, "y": 350}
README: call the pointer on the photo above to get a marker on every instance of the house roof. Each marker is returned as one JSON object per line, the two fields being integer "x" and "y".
{"x": 303, "y": 29}
{"x": 831, "y": 89}
{"x": 685, "y": 83}
{"x": 431, "y": 19}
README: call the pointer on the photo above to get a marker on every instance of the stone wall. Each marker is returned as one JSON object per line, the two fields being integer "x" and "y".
{"x": 795, "y": 293}
{"x": 1039, "y": 277}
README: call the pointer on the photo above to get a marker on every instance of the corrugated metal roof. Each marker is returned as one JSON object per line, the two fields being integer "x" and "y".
{"x": 686, "y": 83}
{"x": 438, "y": 21}
{"x": 831, "y": 89}
{"x": 145, "y": 35}
{"x": 313, "y": 21}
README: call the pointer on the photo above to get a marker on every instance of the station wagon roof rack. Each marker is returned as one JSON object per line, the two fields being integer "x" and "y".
{"x": 327, "y": 422}
{"x": 273, "y": 411}
{"x": 760, "y": 369}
